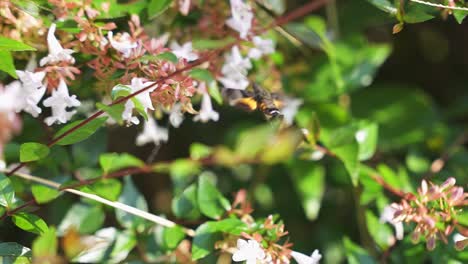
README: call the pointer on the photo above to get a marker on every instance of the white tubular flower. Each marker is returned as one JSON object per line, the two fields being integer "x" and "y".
{"x": 235, "y": 70}
{"x": 388, "y": 216}
{"x": 32, "y": 91}
{"x": 249, "y": 251}
{"x": 262, "y": 47}
{"x": 290, "y": 110}
{"x": 176, "y": 117}
{"x": 143, "y": 97}
{"x": 185, "y": 51}
{"x": 56, "y": 52}
{"x": 242, "y": 16}
{"x": 9, "y": 96}
{"x": 152, "y": 133}
{"x": 206, "y": 112}
{"x": 123, "y": 44}
{"x": 59, "y": 101}
{"x": 304, "y": 259}
{"x": 2, "y": 165}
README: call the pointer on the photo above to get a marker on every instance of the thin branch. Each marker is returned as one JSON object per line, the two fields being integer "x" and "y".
{"x": 117, "y": 205}
{"x": 297, "y": 13}
{"x": 17, "y": 209}
{"x": 440, "y": 5}
{"x": 387, "y": 186}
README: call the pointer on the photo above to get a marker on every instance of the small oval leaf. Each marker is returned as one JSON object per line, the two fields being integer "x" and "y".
{"x": 32, "y": 151}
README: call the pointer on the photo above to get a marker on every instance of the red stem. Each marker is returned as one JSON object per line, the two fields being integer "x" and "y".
{"x": 17, "y": 209}
{"x": 297, "y": 13}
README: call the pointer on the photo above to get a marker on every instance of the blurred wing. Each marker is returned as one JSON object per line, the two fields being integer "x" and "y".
{"x": 246, "y": 103}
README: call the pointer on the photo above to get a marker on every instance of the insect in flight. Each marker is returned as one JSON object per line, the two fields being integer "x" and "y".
{"x": 257, "y": 99}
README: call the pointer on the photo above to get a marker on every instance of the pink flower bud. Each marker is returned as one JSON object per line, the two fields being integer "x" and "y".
{"x": 431, "y": 243}
{"x": 448, "y": 183}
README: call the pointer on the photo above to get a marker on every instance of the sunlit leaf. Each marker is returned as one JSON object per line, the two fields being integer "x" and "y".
{"x": 83, "y": 217}
{"x": 7, "y": 193}
{"x": 7, "y": 44}
{"x": 32, "y": 151}
{"x": 6, "y": 63}
{"x": 156, "y": 7}
{"x": 46, "y": 244}
{"x": 30, "y": 222}
{"x": 172, "y": 237}
{"x": 43, "y": 194}
{"x": 114, "y": 161}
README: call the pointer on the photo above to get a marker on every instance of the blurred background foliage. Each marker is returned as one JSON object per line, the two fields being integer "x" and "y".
{"x": 407, "y": 90}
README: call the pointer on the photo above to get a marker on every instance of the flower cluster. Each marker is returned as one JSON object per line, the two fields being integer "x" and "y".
{"x": 265, "y": 240}
{"x": 434, "y": 210}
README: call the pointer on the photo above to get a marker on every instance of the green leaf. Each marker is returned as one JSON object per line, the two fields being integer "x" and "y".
{"x": 45, "y": 245}
{"x": 342, "y": 142}
{"x": 131, "y": 197}
{"x": 356, "y": 254}
{"x": 305, "y": 34}
{"x": 185, "y": 205}
{"x": 214, "y": 92}
{"x": 114, "y": 161}
{"x": 83, "y": 217}
{"x": 210, "y": 201}
{"x": 43, "y": 194}
{"x": 32, "y": 151}
{"x": 459, "y": 15}
{"x": 114, "y": 111}
{"x": 109, "y": 189}
{"x": 6, "y": 64}
{"x": 309, "y": 182}
{"x": 157, "y": 7}
{"x": 81, "y": 133}
{"x": 202, "y": 44}
{"x": 351, "y": 65}
{"x": 367, "y": 136}
{"x": 172, "y": 237}
{"x": 202, "y": 75}
{"x": 317, "y": 24}
{"x": 182, "y": 172}
{"x": 417, "y": 13}
{"x": 7, "y": 193}
{"x": 30, "y": 222}
{"x": 253, "y": 141}
{"x": 208, "y": 233}
{"x": 384, "y": 5}
{"x": 124, "y": 244}
{"x": 140, "y": 107}
{"x": 380, "y": 232}
{"x": 120, "y": 90}
{"x": 405, "y": 115}
{"x": 118, "y": 8}
{"x": 277, "y": 6}
{"x": 371, "y": 189}
{"x": 282, "y": 146}
{"x": 7, "y": 44}
{"x": 417, "y": 162}
{"x": 199, "y": 151}
{"x": 169, "y": 56}
{"x": 11, "y": 252}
